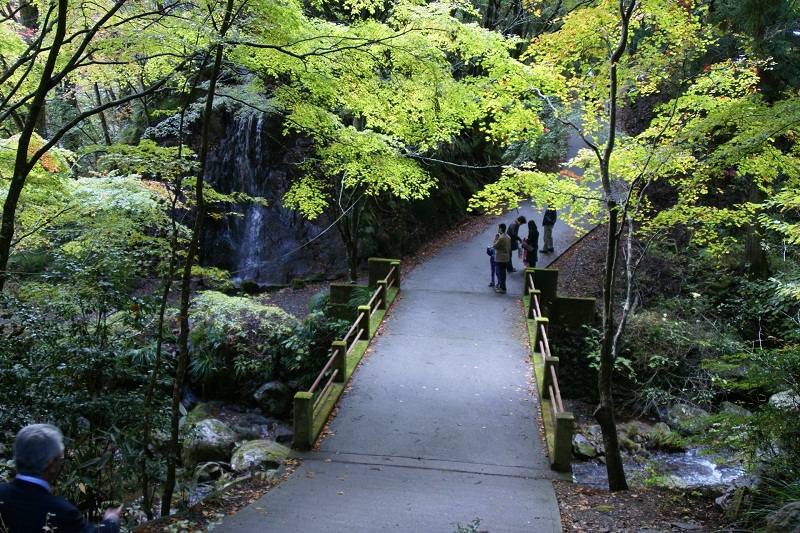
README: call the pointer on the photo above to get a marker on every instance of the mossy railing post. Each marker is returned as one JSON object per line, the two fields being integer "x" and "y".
{"x": 363, "y": 313}
{"x": 340, "y": 363}
{"x": 546, "y": 281}
{"x": 540, "y": 326}
{"x": 303, "y": 421}
{"x": 562, "y": 454}
{"x": 548, "y": 375}
{"x": 384, "y": 294}
{"x": 532, "y": 302}
{"x": 378, "y": 268}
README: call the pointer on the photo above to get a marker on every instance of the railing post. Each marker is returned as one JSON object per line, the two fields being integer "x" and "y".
{"x": 396, "y": 277}
{"x": 303, "y": 421}
{"x": 384, "y": 294}
{"x": 562, "y": 449}
{"x": 541, "y": 325}
{"x": 363, "y": 312}
{"x": 532, "y": 302}
{"x": 529, "y": 273}
{"x": 340, "y": 362}
{"x": 548, "y": 376}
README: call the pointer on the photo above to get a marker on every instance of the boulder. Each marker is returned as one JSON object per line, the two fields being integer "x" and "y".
{"x": 739, "y": 493}
{"x": 275, "y": 398}
{"x": 733, "y": 409}
{"x": 258, "y": 454}
{"x": 251, "y": 287}
{"x": 207, "y": 440}
{"x": 686, "y": 419}
{"x": 660, "y": 427}
{"x": 785, "y": 520}
{"x": 786, "y": 400}
{"x": 595, "y": 432}
{"x": 282, "y": 433}
{"x": 582, "y": 448}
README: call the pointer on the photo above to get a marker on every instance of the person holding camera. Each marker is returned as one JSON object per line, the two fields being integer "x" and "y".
{"x": 513, "y": 234}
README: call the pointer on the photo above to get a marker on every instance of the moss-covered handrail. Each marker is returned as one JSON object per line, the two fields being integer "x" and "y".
{"x": 558, "y": 423}
{"x": 313, "y": 407}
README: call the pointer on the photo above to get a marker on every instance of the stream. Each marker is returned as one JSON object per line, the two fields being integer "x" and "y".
{"x": 689, "y": 469}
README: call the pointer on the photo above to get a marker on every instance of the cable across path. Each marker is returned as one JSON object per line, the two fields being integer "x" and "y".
{"x": 440, "y": 424}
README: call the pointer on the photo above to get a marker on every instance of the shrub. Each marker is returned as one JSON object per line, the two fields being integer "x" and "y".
{"x": 302, "y": 350}
{"x": 663, "y": 361}
{"x": 230, "y": 339}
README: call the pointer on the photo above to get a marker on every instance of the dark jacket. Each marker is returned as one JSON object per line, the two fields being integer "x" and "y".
{"x": 532, "y": 242}
{"x": 550, "y": 216}
{"x": 513, "y": 233}
{"x": 27, "y": 508}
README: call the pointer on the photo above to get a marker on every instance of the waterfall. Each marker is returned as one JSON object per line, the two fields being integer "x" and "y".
{"x": 268, "y": 244}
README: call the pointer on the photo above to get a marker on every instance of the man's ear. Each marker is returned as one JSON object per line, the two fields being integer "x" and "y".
{"x": 52, "y": 470}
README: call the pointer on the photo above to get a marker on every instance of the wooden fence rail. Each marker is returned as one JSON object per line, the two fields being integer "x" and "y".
{"x": 558, "y": 423}
{"x": 313, "y": 407}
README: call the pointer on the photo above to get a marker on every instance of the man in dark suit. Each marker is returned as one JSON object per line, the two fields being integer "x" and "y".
{"x": 26, "y": 504}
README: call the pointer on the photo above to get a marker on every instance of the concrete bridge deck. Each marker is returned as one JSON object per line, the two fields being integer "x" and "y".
{"x": 440, "y": 424}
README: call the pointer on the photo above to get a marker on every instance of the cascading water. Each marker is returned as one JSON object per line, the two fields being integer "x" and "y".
{"x": 267, "y": 244}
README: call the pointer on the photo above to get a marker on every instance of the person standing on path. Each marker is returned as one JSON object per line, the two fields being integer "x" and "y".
{"x": 513, "y": 234}
{"x": 502, "y": 256}
{"x": 492, "y": 262}
{"x": 548, "y": 222}
{"x": 531, "y": 245}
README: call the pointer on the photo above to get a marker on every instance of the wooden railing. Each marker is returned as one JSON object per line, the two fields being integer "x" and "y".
{"x": 558, "y": 423}
{"x": 312, "y": 408}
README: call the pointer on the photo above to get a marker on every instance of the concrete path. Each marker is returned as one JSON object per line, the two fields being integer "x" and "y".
{"x": 440, "y": 425}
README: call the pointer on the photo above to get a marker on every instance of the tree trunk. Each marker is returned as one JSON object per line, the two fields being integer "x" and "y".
{"x": 605, "y": 411}
{"x": 755, "y": 257}
{"x": 604, "y": 414}
{"x": 186, "y": 280}
{"x": 22, "y": 164}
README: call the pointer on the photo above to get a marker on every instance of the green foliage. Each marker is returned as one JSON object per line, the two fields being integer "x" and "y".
{"x": 300, "y": 353}
{"x": 472, "y": 527}
{"x": 319, "y": 301}
{"x": 775, "y": 492}
{"x": 576, "y": 349}
{"x": 667, "y": 441}
{"x": 663, "y": 360}
{"x": 231, "y": 335}
{"x": 147, "y": 160}
{"x": 69, "y": 360}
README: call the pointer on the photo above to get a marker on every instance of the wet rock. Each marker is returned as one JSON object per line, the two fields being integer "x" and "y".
{"x": 206, "y": 472}
{"x": 250, "y": 287}
{"x": 207, "y": 440}
{"x": 258, "y": 454}
{"x": 582, "y": 448}
{"x": 275, "y": 398}
{"x": 687, "y": 419}
{"x": 786, "y": 400}
{"x": 660, "y": 428}
{"x": 733, "y": 409}
{"x": 246, "y": 431}
{"x": 282, "y": 434}
{"x": 786, "y": 520}
{"x": 739, "y": 492}
{"x": 686, "y": 526}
